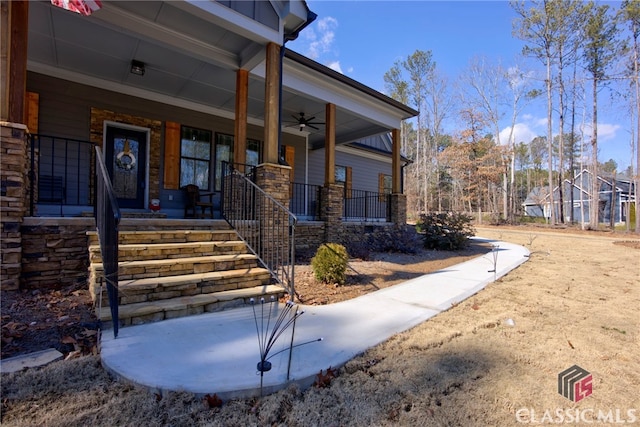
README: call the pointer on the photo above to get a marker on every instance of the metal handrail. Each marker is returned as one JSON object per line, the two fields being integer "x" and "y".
{"x": 107, "y": 215}
{"x": 60, "y": 172}
{"x": 305, "y": 200}
{"x": 365, "y": 205}
{"x": 266, "y": 226}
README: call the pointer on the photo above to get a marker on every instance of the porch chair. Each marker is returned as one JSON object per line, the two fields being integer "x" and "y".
{"x": 196, "y": 199}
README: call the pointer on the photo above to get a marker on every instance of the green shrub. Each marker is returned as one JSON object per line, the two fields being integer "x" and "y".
{"x": 330, "y": 263}
{"x": 446, "y": 231}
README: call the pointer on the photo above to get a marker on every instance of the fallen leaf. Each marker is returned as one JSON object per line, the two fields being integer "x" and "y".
{"x": 213, "y": 401}
{"x": 73, "y": 355}
{"x": 68, "y": 340}
{"x": 324, "y": 380}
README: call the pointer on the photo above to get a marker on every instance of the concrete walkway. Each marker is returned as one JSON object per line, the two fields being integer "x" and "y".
{"x": 218, "y": 352}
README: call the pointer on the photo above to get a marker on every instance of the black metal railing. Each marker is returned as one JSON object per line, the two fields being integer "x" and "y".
{"x": 305, "y": 200}
{"x": 60, "y": 172}
{"x": 107, "y": 214}
{"x": 265, "y": 225}
{"x": 365, "y": 205}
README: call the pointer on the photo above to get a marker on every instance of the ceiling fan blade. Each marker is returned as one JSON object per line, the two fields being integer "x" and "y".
{"x": 312, "y": 126}
{"x": 308, "y": 120}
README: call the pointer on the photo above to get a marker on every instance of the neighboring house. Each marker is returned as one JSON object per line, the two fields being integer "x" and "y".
{"x": 577, "y": 199}
{"x": 170, "y": 90}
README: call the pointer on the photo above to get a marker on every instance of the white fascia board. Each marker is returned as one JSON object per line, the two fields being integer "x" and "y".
{"x": 233, "y": 21}
{"x": 363, "y": 153}
{"x": 63, "y": 74}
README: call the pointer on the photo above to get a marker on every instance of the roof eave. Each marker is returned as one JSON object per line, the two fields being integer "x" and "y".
{"x": 294, "y": 56}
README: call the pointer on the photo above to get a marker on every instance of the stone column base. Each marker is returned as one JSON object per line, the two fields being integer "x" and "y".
{"x": 398, "y": 209}
{"x": 332, "y": 202}
{"x": 14, "y": 182}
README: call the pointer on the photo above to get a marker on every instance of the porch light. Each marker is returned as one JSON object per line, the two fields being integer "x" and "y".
{"x": 137, "y": 67}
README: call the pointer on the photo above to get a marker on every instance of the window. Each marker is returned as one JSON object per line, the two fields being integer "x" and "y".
{"x": 254, "y": 152}
{"x": 343, "y": 176}
{"x": 195, "y": 157}
{"x": 385, "y": 186}
{"x": 224, "y": 153}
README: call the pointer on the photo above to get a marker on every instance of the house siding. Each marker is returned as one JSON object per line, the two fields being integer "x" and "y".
{"x": 364, "y": 170}
{"x": 65, "y": 111}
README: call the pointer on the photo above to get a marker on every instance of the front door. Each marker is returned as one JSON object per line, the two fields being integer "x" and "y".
{"x": 125, "y": 156}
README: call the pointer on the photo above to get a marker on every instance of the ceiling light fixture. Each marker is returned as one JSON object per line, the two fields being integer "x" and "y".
{"x": 137, "y": 67}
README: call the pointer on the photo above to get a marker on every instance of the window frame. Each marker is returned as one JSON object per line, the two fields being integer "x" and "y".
{"x": 197, "y": 160}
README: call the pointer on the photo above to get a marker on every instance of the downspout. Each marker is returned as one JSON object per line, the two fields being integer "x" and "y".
{"x": 288, "y": 37}
{"x": 407, "y": 163}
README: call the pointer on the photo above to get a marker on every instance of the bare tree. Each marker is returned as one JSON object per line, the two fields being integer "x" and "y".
{"x": 600, "y": 50}
{"x": 539, "y": 27}
{"x": 630, "y": 12}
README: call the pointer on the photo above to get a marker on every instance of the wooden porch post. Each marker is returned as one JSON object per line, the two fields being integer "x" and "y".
{"x": 396, "y": 177}
{"x": 330, "y": 145}
{"x": 13, "y": 53}
{"x": 271, "y": 104}
{"x": 242, "y": 97}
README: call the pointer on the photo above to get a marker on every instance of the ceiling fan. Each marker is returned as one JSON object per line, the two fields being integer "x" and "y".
{"x": 302, "y": 122}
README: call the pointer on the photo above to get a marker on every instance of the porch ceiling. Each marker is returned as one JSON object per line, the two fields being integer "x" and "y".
{"x": 190, "y": 57}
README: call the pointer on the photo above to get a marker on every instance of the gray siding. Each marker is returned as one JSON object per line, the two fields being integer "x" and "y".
{"x": 364, "y": 170}
{"x": 65, "y": 111}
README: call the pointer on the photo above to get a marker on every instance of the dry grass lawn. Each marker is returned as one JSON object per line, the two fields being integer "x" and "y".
{"x": 576, "y": 301}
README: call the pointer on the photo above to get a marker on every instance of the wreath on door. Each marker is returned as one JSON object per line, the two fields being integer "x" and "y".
{"x": 125, "y": 159}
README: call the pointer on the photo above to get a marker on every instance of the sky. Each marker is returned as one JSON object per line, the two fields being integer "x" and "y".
{"x": 363, "y": 40}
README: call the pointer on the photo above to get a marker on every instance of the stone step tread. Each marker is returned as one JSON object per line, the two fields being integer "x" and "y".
{"x": 165, "y": 231}
{"x": 167, "y": 281}
{"x": 183, "y": 303}
{"x": 98, "y": 266}
{"x": 173, "y": 245}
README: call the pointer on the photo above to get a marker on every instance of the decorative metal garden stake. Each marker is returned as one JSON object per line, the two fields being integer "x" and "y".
{"x": 494, "y": 252}
{"x": 268, "y": 334}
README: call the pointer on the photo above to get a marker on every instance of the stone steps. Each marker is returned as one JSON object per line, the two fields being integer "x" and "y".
{"x": 157, "y": 288}
{"x": 148, "y": 251}
{"x": 165, "y": 273}
{"x": 168, "y": 236}
{"x": 154, "y": 311}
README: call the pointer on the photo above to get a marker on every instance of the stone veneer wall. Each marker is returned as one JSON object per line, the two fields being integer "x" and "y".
{"x": 398, "y": 209}
{"x": 310, "y": 234}
{"x": 332, "y": 204}
{"x": 54, "y": 252}
{"x": 273, "y": 180}
{"x": 98, "y": 117}
{"x": 14, "y": 183}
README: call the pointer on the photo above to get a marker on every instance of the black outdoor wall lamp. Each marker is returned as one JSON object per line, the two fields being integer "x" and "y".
{"x": 137, "y": 67}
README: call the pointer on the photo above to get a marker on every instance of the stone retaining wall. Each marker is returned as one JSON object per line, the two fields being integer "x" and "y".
{"x": 54, "y": 252}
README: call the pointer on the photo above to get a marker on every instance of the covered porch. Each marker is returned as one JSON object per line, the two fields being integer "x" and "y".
{"x": 170, "y": 91}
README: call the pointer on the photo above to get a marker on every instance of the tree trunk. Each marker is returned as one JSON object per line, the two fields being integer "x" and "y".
{"x": 595, "y": 196}
{"x": 550, "y": 141}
